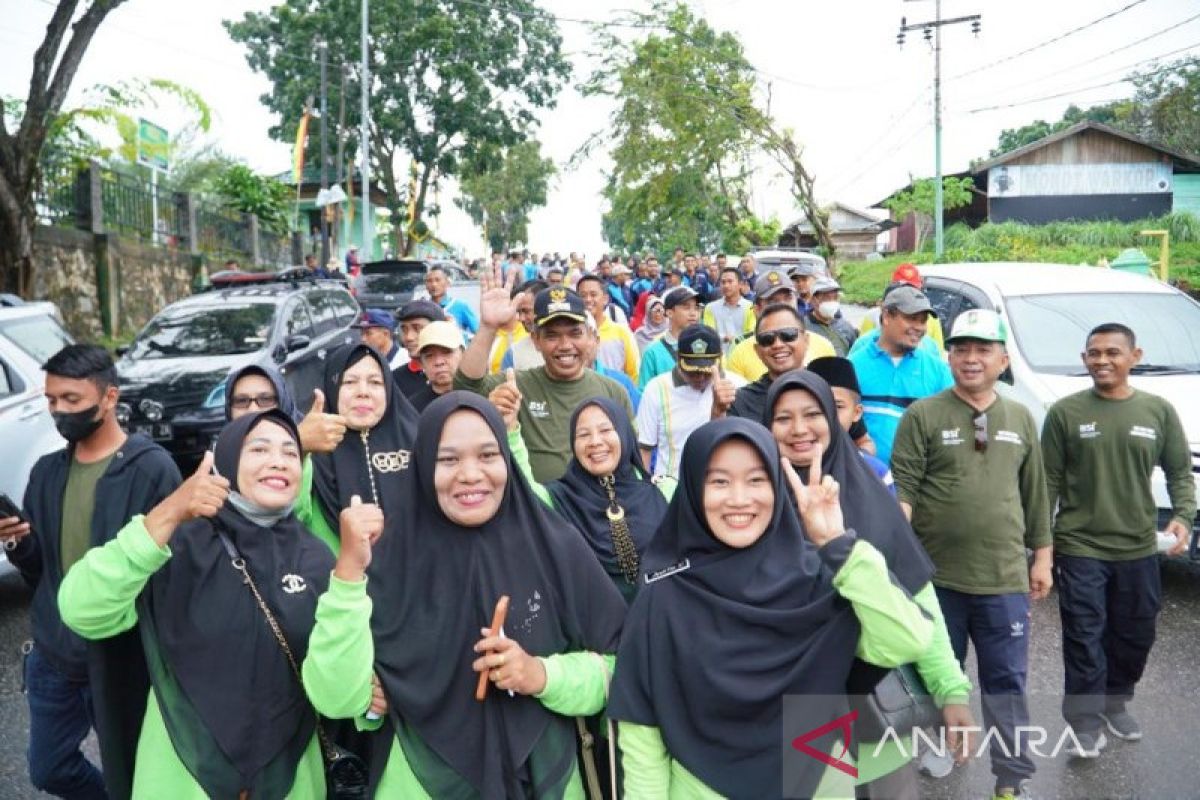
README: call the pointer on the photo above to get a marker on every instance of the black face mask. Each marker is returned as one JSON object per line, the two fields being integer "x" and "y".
{"x": 75, "y": 426}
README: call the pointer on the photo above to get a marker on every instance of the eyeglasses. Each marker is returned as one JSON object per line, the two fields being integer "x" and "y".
{"x": 767, "y": 338}
{"x": 243, "y": 401}
{"x": 981, "y": 438}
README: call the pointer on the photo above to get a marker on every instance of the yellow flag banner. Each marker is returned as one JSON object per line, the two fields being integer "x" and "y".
{"x": 298, "y": 150}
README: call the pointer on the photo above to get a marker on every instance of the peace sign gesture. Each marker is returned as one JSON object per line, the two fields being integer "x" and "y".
{"x": 817, "y": 501}
{"x": 497, "y": 307}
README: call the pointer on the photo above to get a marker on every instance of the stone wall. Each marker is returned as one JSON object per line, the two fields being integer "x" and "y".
{"x": 65, "y": 274}
{"x": 102, "y": 282}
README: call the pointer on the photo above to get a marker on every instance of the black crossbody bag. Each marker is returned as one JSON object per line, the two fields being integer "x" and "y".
{"x": 346, "y": 775}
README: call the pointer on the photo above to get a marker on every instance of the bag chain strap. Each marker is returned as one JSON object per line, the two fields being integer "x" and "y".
{"x": 626, "y": 552}
{"x": 239, "y": 564}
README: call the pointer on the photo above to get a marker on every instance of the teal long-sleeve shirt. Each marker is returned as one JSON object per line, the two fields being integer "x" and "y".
{"x": 341, "y": 654}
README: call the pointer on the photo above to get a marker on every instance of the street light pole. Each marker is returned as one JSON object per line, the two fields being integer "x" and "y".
{"x": 323, "y": 50}
{"x": 367, "y": 243}
{"x": 934, "y": 29}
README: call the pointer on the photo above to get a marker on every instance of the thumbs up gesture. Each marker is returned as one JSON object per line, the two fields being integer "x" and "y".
{"x": 361, "y": 525}
{"x": 321, "y": 432}
{"x": 201, "y": 495}
{"x": 507, "y": 399}
{"x": 723, "y": 393}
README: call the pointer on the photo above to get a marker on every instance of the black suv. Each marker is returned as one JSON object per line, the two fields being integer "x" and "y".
{"x": 391, "y": 283}
{"x": 173, "y": 374}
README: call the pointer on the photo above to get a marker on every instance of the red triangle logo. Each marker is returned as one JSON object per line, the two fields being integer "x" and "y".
{"x": 842, "y": 724}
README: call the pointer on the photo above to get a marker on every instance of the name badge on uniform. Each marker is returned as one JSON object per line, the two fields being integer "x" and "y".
{"x": 666, "y": 572}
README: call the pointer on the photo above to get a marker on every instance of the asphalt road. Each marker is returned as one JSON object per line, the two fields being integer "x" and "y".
{"x": 1163, "y": 766}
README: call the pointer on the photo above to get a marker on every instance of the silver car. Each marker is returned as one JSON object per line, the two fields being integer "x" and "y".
{"x": 29, "y": 335}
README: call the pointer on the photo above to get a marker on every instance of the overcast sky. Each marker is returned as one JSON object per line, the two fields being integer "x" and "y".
{"x": 861, "y": 105}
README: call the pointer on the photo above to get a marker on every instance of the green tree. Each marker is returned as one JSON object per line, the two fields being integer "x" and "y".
{"x": 685, "y": 129}
{"x": 500, "y": 197}
{"x": 55, "y": 63}
{"x": 1113, "y": 113}
{"x": 449, "y": 81}
{"x": 244, "y": 190}
{"x": 918, "y": 199}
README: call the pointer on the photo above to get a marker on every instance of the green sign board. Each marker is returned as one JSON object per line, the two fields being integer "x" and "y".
{"x": 153, "y": 143}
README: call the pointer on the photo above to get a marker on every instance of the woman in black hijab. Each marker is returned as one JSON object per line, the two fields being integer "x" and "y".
{"x": 605, "y": 492}
{"x": 742, "y": 606}
{"x": 470, "y": 532}
{"x": 227, "y": 714}
{"x": 372, "y": 461}
{"x": 257, "y": 388}
{"x": 802, "y": 415}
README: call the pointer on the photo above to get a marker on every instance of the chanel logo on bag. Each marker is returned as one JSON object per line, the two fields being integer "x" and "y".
{"x": 391, "y": 462}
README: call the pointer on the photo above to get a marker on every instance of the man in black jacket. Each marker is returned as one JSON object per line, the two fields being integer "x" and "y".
{"x": 78, "y": 498}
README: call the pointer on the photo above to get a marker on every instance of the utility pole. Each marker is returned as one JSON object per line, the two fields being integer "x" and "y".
{"x": 341, "y": 172}
{"x": 323, "y": 50}
{"x": 368, "y": 245}
{"x": 933, "y": 32}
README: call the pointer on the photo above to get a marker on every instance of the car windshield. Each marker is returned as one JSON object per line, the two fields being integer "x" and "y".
{"x": 394, "y": 280}
{"x": 40, "y": 336}
{"x": 205, "y": 331}
{"x": 1051, "y": 329}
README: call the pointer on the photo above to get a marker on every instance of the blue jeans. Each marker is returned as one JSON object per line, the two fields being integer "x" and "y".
{"x": 998, "y": 626}
{"x": 60, "y": 716}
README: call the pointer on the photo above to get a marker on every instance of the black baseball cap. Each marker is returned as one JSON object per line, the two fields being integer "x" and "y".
{"x": 421, "y": 309}
{"x": 836, "y": 371}
{"x": 699, "y": 348}
{"x": 558, "y": 303}
{"x": 677, "y": 295}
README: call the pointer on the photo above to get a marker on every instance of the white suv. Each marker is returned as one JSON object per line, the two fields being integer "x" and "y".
{"x": 29, "y": 335}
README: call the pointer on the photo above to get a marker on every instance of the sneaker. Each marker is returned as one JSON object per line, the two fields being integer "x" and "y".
{"x": 1122, "y": 725}
{"x": 935, "y": 764}
{"x": 1087, "y": 745}
{"x": 1020, "y": 792}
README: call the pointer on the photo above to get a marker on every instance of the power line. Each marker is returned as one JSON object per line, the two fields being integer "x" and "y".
{"x": 870, "y": 165}
{"x": 1069, "y": 92}
{"x": 1048, "y": 42}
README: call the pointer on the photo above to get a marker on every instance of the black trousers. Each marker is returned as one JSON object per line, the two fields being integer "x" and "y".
{"x": 1109, "y": 612}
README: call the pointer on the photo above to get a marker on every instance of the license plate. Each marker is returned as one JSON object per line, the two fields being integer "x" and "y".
{"x": 158, "y": 431}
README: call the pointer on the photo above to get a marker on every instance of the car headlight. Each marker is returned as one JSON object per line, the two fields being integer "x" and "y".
{"x": 216, "y": 398}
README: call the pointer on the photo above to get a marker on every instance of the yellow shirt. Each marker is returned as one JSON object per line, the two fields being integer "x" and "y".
{"x": 505, "y": 340}
{"x": 618, "y": 349}
{"x": 745, "y": 361}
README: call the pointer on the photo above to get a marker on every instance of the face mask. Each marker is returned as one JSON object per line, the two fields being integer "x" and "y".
{"x": 75, "y": 426}
{"x": 829, "y": 309}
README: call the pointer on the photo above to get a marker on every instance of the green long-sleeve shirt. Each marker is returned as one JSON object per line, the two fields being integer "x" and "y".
{"x": 308, "y": 511}
{"x": 894, "y": 631}
{"x": 96, "y": 600}
{"x": 341, "y": 655}
{"x": 975, "y": 511}
{"x": 1100, "y": 455}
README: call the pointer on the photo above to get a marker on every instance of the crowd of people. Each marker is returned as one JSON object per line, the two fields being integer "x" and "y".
{"x": 590, "y": 539}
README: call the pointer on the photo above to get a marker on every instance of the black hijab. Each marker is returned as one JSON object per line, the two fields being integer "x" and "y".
{"x": 580, "y": 498}
{"x": 235, "y": 712}
{"x": 286, "y": 403}
{"x": 434, "y": 584}
{"x": 717, "y": 636}
{"x": 867, "y": 506}
{"x": 340, "y": 475}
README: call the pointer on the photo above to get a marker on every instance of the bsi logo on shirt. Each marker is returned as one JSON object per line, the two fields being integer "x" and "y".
{"x": 538, "y": 408}
{"x": 1144, "y": 432}
{"x": 1088, "y": 430}
{"x": 951, "y": 437}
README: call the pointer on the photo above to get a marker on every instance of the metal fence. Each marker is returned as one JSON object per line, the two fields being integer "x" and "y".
{"x": 75, "y": 191}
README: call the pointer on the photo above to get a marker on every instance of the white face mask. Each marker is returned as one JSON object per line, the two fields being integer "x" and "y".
{"x": 829, "y": 309}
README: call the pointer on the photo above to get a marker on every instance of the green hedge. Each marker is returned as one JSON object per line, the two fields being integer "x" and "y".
{"x": 1053, "y": 243}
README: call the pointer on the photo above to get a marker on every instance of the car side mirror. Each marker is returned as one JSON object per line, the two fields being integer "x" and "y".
{"x": 1007, "y": 376}
{"x": 298, "y": 341}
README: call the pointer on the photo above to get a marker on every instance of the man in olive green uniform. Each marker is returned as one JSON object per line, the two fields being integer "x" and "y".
{"x": 1101, "y": 446}
{"x": 969, "y": 474}
{"x": 549, "y": 393}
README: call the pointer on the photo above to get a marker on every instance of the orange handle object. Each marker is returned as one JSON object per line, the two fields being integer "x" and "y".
{"x": 497, "y": 623}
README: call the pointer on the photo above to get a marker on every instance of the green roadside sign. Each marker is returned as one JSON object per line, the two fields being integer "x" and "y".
{"x": 152, "y": 145}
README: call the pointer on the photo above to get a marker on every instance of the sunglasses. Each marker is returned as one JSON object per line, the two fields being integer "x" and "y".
{"x": 981, "y": 437}
{"x": 264, "y": 401}
{"x": 786, "y": 335}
